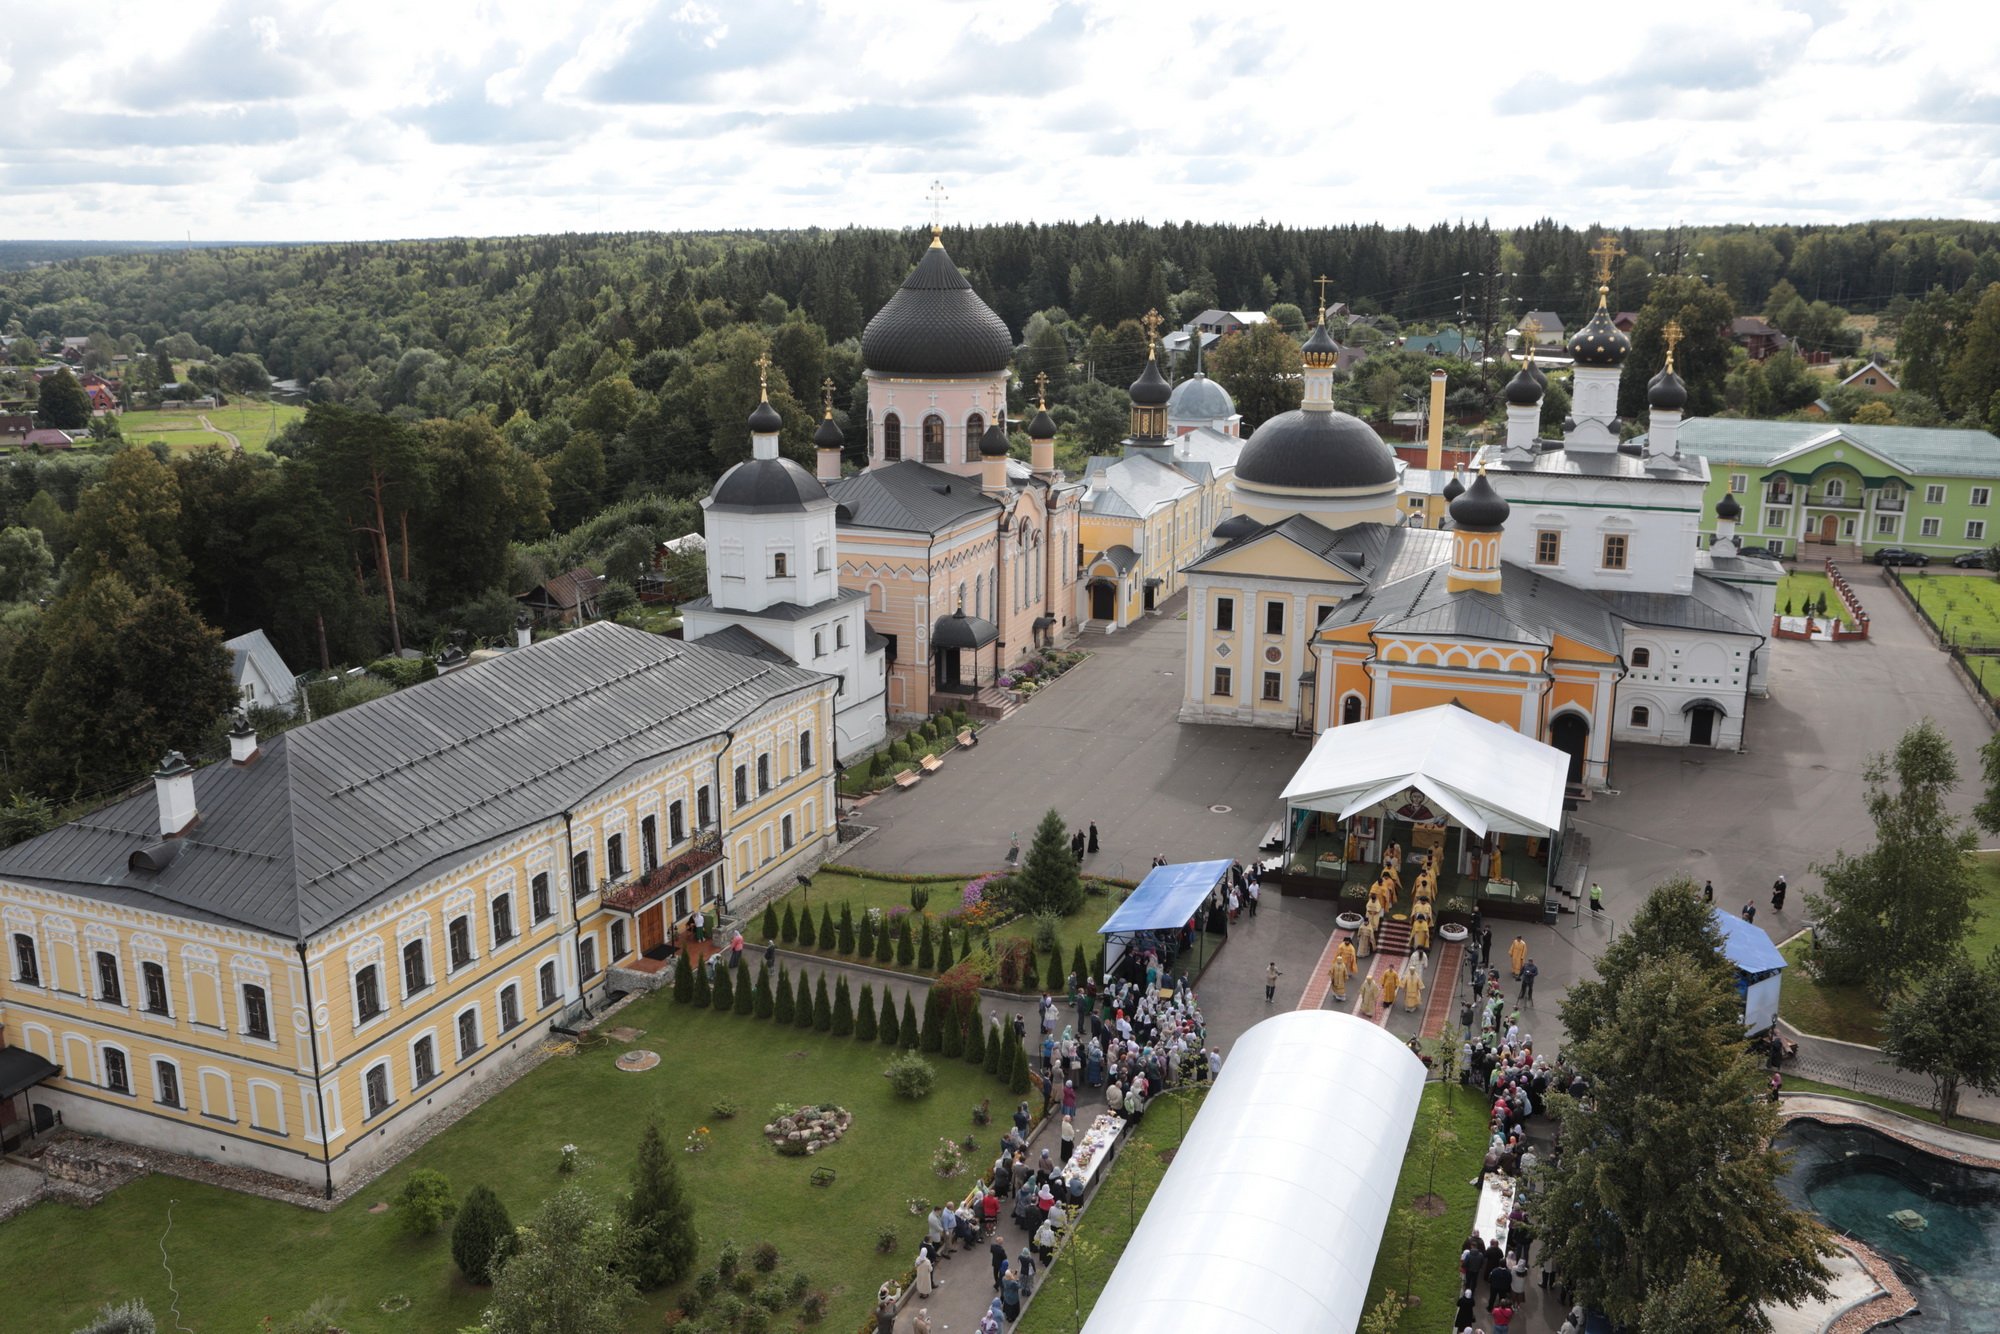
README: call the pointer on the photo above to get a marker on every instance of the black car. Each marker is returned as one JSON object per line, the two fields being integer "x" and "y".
{"x": 1970, "y": 560}
{"x": 1899, "y": 556}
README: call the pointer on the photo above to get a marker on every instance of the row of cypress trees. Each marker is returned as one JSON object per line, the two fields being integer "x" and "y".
{"x": 903, "y": 946}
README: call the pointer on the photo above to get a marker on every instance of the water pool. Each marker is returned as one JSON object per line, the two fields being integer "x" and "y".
{"x": 1937, "y": 1222}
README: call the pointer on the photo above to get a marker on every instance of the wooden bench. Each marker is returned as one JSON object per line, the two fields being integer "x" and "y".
{"x": 930, "y": 764}
{"x": 966, "y": 738}
{"x": 908, "y": 778}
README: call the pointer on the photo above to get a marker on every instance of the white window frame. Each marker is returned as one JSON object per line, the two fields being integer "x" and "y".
{"x": 103, "y": 1072}
{"x": 1982, "y": 496}
{"x": 553, "y": 970}
{"x": 1975, "y": 530}
{"x": 27, "y": 933}
{"x": 1932, "y": 527}
{"x": 466, "y": 1053}
{"x": 243, "y": 1010}
{"x": 1739, "y": 482}
{"x": 368, "y": 1111}
{"x": 500, "y": 1007}
{"x": 180, "y": 1082}
{"x": 1885, "y": 525}
{"x": 1834, "y": 488}
{"x": 361, "y": 1020}
{"x": 437, "y": 1067}
{"x": 1774, "y": 521}
{"x": 430, "y": 976}
{"x": 1933, "y": 493}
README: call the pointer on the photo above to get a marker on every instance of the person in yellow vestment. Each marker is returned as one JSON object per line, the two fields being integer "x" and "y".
{"x": 1517, "y": 954}
{"x": 1413, "y": 986}
{"x": 1338, "y": 975}
{"x": 1420, "y": 932}
{"x": 1390, "y": 979}
{"x": 1371, "y": 996}
{"x": 1364, "y": 940}
{"x": 1346, "y": 952}
{"x": 1374, "y": 913}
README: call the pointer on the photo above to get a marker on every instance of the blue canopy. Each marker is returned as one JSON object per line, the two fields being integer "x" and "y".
{"x": 1745, "y": 946}
{"x": 1166, "y": 898}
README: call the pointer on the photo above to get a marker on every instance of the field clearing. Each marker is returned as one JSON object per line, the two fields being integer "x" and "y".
{"x": 1964, "y": 607}
{"x": 252, "y": 423}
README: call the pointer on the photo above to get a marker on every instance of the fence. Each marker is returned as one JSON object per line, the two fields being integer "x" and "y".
{"x": 1868, "y": 1080}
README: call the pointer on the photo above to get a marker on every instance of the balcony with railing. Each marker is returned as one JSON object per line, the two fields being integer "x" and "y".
{"x": 1888, "y": 504}
{"x": 1825, "y": 501}
{"x": 1778, "y": 495}
{"x": 702, "y": 852}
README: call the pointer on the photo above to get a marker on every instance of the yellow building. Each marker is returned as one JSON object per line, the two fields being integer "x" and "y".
{"x": 294, "y": 959}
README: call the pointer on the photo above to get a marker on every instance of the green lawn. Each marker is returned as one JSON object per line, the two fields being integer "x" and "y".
{"x": 253, "y": 423}
{"x": 1965, "y": 607}
{"x": 1983, "y": 1129}
{"x": 1798, "y": 586}
{"x": 1432, "y": 1274}
{"x": 1070, "y": 1287}
{"x": 238, "y": 1259}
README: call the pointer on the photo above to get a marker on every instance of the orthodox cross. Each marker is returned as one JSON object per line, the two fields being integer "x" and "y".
{"x": 1531, "y": 329}
{"x": 1604, "y": 252}
{"x": 1673, "y": 334}
{"x": 1152, "y": 323}
{"x": 937, "y": 197}
{"x": 1323, "y": 282}
{"x": 763, "y": 367}
{"x": 1042, "y": 390}
{"x": 826, "y": 394}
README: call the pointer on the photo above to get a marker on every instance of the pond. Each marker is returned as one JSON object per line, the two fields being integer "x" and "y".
{"x": 1935, "y": 1221}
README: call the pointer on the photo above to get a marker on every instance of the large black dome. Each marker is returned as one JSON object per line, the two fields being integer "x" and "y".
{"x": 767, "y": 484}
{"x": 1481, "y": 508}
{"x": 1151, "y": 389}
{"x": 1600, "y": 342}
{"x": 1316, "y": 450}
{"x": 936, "y": 324}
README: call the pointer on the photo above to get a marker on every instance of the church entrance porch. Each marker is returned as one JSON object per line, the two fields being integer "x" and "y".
{"x": 1570, "y": 733}
{"x": 1704, "y": 722}
{"x": 948, "y": 672}
{"x": 1103, "y": 600}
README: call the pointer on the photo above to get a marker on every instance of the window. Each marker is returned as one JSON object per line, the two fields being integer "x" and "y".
{"x": 1273, "y": 688}
{"x": 1981, "y": 495}
{"x": 257, "y": 1012}
{"x": 503, "y": 914}
{"x": 538, "y": 898}
{"x": 892, "y": 438}
{"x": 1930, "y": 527}
{"x": 416, "y": 969}
{"x": 153, "y": 977}
{"x": 649, "y": 840}
{"x": 1933, "y": 495}
{"x": 510, "y": 1007}
{"x": 1222, "y": 681}
{"x": 805, "y": 750}
{"x": 708, "y": 887}
{"x": 785, "y": 832}
{"x": 1274, "y": 618}
{"x": 586, "y": 957}
{"x": 468, "y": 1034}
{"x": 547, "y": 977}
{"x": 377, "y": 1084}
{"x": 1836, "y": 489}
{"x": 933, "y": 439}
{"x": 703, "y": 811}
{"x": 840, "y": 634}
{"x": 423, "y": 1061}
{"x": 579, "y": 875}
{"x": 1975, "y": 528}
{"x": 1642, "y": 657}
{"x": 1548, "y": 547}
{"x": 108, "y": 989}
{"x": 1739, "y": 482}
{"x": 617, "y": 941}
{"x": 819, "y": 644}
{"x": 1614, "y": 551}
{"x": 367, "y": 993}
{"x": 1885, "y": 523}
{"x": 1225, "y": 613}
{"x": 1641, "y": 716}
{"x": 763, "y": 773}
{"x": 167, "y": 1081}
{"x": 779, "y": 569}
{"x": 821, "y": 559}
{"x": 458, "y": 940}
{"x": 975, "y": 426}
{"x": 117, "y": 1075}
{"x": 614, "y": 856}
{"x": 742, "y": 786}
{"x": 26, "y": 967}
{"x": 1774, "y": 520}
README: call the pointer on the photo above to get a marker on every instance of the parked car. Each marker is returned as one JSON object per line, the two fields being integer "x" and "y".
{"x": 1970, "y": 560}
{"x": 1899, "y": 556}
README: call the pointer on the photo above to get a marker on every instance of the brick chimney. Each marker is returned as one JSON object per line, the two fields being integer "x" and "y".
{"x": 173, "y": 785}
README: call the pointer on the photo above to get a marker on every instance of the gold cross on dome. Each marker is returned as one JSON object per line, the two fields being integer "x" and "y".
{"x": 1672, "y": 333}
{"x": 1042, "y": 390}
{"x": 1324, "y": 282}
{"x": 937, "y": 197}
{"x": 1152, "y": 322}
{"x": 1604, "y": 252}
{"x": 763, "y": 378}
{"x": 826, "y": 395}
{"x": 1531, "y": 329}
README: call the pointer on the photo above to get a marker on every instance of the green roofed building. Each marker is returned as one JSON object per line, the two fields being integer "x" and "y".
{"x": 1817, "y": 488}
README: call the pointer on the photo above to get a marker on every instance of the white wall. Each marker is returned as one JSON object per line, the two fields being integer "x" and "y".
{"x": 1660, "y": 541}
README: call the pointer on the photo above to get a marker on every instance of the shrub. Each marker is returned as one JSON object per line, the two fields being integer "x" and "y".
{"x": 723, "y": 996}
{"x": 954, "y": 1029}
{"x": 769, "y": 1296}
{"x": 911, "y": 1076}
{"x": 707, "y": 1283}
{"x": 722, "y": 1109}
{"x": 770, "y": 931}
{"x": 866, "y": 945}
{"x": 766, "y": 1003}
{"x": 483, "y": 1236}
{"x": 788, "y": 927}
{"x": 926, "y": 952}
{"x": 1031, "y": 976}
{"x": 701, "y": 989}
{"x": 945, "y": 958}
{"x": 827, "y": 935}
{"x": 883, "y": 944}
{"x": 1079, "y": 965}
{"x": 864, "y": 1013}
{"x": 843, "y": 1010}
{"x": 908, "y": 1034}
{"x": 764, "y": 1258}
{"x": 975, "y": 1038}
{"x": 822, "y": 1008}
{"x": 125, "y": 1318}
{"x": 683, "y": 980}
{"x": 425, "y": 1203}
{"x": 728, "y": 1260}
{"x": 745, "y": 1001}
{"x": 844, "y": 938}
{"x": 781, "y": 1005}
{"x": 996, "y": 1042}
{"x": 661, "y": 1215}
{"x": 813, "y": 1307}
{"x": 756, "y": 1319}
{"x": 930, "y": 1033}
{"x": 1017, "y": 1083}
{"x": 796, "y": 1285}
{"x": 888, "y": 1029}
{"x": 906, "y": 948}
{"x": 1052, "y": 976}
{"x": 885, "y": 1240}
{"x": 1047, "y": 927}
{"x": 744, "y": 1283}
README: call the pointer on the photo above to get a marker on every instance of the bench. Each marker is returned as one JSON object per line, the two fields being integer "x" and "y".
{"x": 966, "y": 738}
{"x": 823, "y": 1176}
{"x": 908, "y": 778}
{"x": 930, "y": 764}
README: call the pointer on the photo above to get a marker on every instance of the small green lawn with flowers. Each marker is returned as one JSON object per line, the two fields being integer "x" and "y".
{"x": 237, "y": 1260}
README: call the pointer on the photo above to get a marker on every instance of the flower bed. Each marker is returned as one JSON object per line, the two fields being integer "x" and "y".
{"x": 806, "y": 1129}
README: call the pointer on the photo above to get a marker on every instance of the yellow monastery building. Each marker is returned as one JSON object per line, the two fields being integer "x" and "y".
{"x": 293, "y": 959}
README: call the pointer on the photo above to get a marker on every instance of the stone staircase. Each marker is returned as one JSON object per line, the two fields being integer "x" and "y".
{"x": 992, "y": 704}
{"x": 1393, "y": 939}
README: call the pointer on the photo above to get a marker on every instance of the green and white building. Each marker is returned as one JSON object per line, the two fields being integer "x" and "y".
{"x": 1811, "y": 488}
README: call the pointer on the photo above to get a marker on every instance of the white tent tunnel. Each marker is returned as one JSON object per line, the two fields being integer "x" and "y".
{"x": 1488, "y": 799}
{"x": 1270, "y": 1217}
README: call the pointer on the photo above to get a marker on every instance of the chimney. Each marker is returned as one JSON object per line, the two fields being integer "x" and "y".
{"x": 173, "y": 785}
{"x": 242, "y": 739}
{"x": 1434, "y": 449}
{"x": 524, "y": 629}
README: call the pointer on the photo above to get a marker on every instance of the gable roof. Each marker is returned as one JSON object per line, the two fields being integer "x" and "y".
{"x": 908, "y": 496}
{"x": 1875, "y": 369}
{"x": 569, "y": 590}
{"x": 335, "y": 815}
{"x": 254, "y": 649}
{"x": 1915, "y": 450}
{"x": 1132, "y": 487}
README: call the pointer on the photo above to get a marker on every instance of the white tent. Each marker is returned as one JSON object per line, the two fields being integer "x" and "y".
{"x": 1485, "y": 776}
{"x": 1274, "y": 1207}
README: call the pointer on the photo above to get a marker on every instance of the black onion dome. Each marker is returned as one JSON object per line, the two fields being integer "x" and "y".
{"x": 1667, "y": 391}
{"x": 765, "y": 420}
{"x": 1453, "y": 489}
{"x": 1043, "y": 427}
{"x": 936, "y": 324}
{"x": 1541, "y": 376}
{"x": 1524, "y": 390}
{"x": 1481, "y": 507}
{"x": 993, "y": 444}
{"x": 1600, "y": 342}
{"x": 1320, "y": 350}
{"x": 828, "y": 436}
{"x": 1235, "y": 526}
{"x": 1728, "y": 508}
{"x": 1151, "y": 389}
{"x": 1316, "y": 450}
{"x": 767, "y": 484}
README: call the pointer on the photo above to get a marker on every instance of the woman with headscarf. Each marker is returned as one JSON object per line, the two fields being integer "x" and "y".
{"x": 924, "y": 1275}
{"x": 1068, "y": 1138}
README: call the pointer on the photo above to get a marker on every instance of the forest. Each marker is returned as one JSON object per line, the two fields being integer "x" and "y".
{"x": 484, "y": 413}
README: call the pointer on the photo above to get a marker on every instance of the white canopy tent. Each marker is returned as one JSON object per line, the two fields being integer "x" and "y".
{"x": 1274, "y": 1207}
{"x": 1486, "y": 777}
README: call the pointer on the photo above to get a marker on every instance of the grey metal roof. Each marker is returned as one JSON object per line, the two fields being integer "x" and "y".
{"x": 781, "y": 611}
{"x": 1611, "y": 463}
{"x": 339, "y": 813}
{"x": 935, "y": 324}
{"x": 737, "y": 639}
{"x": 1530, "y": 608}
{"x": 1199, "y": 396}
{"x": 1122, "y": 558}
{"x": 910, "y": 497}
{"x": 766, "y": 484}
{"x": 254, "y": 648}
{"x": 1920, "y": 451}
{"x": 1134, "y": 487}
{"x": 1712, "y": 606}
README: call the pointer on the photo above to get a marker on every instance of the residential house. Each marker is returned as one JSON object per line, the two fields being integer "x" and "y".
{"x": 1548, "y": 329}
{"x": 1873, "y": 377}
{"x": 48, "y": 438}
{"x": 1446, "y": 343}
{"x": 1224, "y": 322}
{"x": 1756, "y": 337}
{"x": 15, "y": 426}
{"x": 263, "y": 680}
{"x": 567, "y": 599}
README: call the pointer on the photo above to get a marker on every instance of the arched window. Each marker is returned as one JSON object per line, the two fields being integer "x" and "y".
{"x": 1642, "y": 657}
{"x": 933, "y": 439}
{"x": 975, "y": 426}
{"x": 892, "y": 438}
{"x": 1641, "y": 716}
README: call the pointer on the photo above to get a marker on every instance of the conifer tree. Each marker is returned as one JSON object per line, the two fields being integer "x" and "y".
{"x": 996, "y": 1042}
{"x": 908, "y": 1035}
{"x": 802, "y": 1003}
{"x": 906, "y": 947}
{"x": 1048, "y": 881}
{"x": 723, "y": 995}
{"x": 1080, "y": 966}
{"x": 889, "y": 1028}
{"x": 926, "y": 952}
{"x": 482, "y": 1237}
{"x": 782, "y": 1002}
{"x": 661, "y": 1215}
{"x": 930, "y": 1034}
{"x": 1017, "y": 1083}
{"x": 683, "y": 980}
{"x": 701, "y": 991}
{"x": 884, "y": 944}
{"x": 770, "y": 931}
{"x": 954, "y": 1031}
{"x": 822, "y": 1007}
{"x": 975, "y": 1037}
{"x": 1031, "y": 978}
{"x": 1052, "y": 977}
{"x": 767, "y": 1004}
{"x": 846, "y": 934}
{"x": 828, "y": 937}
{"x": 745, "y": 1001}
{"x": 945, "y": 957}
{"x": 864, "y": 1014}
{"x": 866, "y": 947}
{"x": 788, "y": 927}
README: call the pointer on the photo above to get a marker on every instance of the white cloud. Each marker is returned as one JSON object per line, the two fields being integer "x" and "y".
{"x": 272, "y": 119}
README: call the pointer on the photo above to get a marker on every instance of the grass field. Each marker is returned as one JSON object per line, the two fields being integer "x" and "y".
{"x": 1798, "y": 587}
{"x": 237, "y": 1259}
{"x": 1965, "y": 607}
{"x": 1983, "y": 1129}
{"x": 252, "y": 423}
{"x": 1431, "y": 1266}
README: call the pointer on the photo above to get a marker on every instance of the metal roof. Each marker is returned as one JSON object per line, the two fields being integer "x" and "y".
{"x": 910, "y": 497}
{"x": 1134, "y": 487}
{"x": 1920, "y": 451}
{"x": 935, "y": 324}
{"x": 338, "y": 814}
{"x": 780, "y": 611}
{"x": 254, "y": 648}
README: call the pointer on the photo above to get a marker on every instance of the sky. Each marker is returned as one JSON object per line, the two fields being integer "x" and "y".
{"x": 277, "y": 120}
